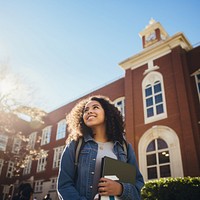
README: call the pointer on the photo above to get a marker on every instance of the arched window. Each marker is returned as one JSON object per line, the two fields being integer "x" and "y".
{"x": 158, "y": 159}
{"x": 153, "y": 97}
{"x": 159, "y": 153}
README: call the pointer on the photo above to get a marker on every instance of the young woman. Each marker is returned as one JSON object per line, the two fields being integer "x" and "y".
{"x": 101, "y": 126}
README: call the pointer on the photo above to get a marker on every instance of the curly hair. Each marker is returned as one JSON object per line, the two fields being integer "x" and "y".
{"x": 114, "y": 120}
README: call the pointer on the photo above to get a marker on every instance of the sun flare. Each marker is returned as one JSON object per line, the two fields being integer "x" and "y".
{"x": 6, "y": 87}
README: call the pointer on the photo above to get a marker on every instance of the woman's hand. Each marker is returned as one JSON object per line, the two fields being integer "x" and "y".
{"x": 108, "y": 187}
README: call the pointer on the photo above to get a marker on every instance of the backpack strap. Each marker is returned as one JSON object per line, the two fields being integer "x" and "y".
{"x": 125, "y": 147}
{"x": 79, "y": 145}
{"x": 77, "y": 150}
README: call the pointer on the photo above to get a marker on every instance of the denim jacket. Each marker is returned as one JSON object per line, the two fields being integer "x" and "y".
{"x": 81, "y": 188}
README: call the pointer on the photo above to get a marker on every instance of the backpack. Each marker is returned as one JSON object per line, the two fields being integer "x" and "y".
{"x": 79, "y": 145}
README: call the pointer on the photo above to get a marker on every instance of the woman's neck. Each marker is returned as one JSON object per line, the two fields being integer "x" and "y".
{"x": 100, "y": 138}
{"x": 100, "y": 134}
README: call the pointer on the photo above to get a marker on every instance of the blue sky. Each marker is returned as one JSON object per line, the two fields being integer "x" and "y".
{"x": 67, "y": 48}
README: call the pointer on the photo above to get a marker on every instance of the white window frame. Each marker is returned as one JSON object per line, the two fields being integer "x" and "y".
{"x": 10, "y": 169}
{"x": 150, "y": 79}
{"x": 1, "y": 165}
{"x": 16, "y": 145}
{"x": 57, "y": 156}
{"x": 121, "y": 107}
{"x": 42, "y": 162}
{"x": 3, "y": 142}
{"x": 28, "y": 163}
{"x": 61, "y": 129}
{"x": 46, "y": 135}
{"x": 53, "y": 183}
{"x": 38, "y": 186}
{"x": 172, "y": 140}
{"x": 32, "y": 140}
{"x": 6, "y": 189}
{"x": 197, "y": 81}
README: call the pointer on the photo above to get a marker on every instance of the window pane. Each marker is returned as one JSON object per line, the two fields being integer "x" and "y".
{"x": 149, "y": 102}
{"x": 165, "y": 171}
{"x": 61, "y": 130}
{"x": 148, "y": 91}
{"x": 151, "y": 159}
{"x": 157, "y": 88}
{"x": 197, "y": 78}
{"x": 158, "y": 98}
{"x": 120, "y": 104}
{"x": 151, "y": 146}
{"x": 150, "y": 112}
{"x": 159, "y": 109}
{"x": 152, "y": 173}
{"x": 161, "y": 144}
{"x": 3, "y": 142}
{"x": 163, "y": 157}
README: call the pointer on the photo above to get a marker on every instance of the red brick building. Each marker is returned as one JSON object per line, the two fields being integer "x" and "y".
{"x": 159, "y": 97}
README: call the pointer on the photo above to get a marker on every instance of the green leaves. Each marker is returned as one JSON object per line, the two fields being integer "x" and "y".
{"x": 187, "y": 188}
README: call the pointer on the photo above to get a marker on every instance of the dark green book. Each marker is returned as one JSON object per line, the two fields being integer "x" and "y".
{"x": 125, "y": 172}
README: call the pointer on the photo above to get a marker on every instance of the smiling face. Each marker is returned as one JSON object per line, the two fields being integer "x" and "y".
{"x": 94, "y": 114}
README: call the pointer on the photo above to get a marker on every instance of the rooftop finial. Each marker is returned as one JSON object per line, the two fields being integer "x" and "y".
{"x": 152, "y": 21}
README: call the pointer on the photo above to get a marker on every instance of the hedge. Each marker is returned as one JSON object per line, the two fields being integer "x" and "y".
{"x": 187, "y": 188}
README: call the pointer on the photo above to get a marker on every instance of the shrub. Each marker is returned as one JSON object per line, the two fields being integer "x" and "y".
{"x": 187, "y": 188}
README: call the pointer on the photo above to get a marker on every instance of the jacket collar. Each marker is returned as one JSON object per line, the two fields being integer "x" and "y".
{"x": 88, "y": 137}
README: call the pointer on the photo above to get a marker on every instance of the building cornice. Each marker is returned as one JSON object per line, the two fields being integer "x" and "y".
{"x": 157, "y": 50}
